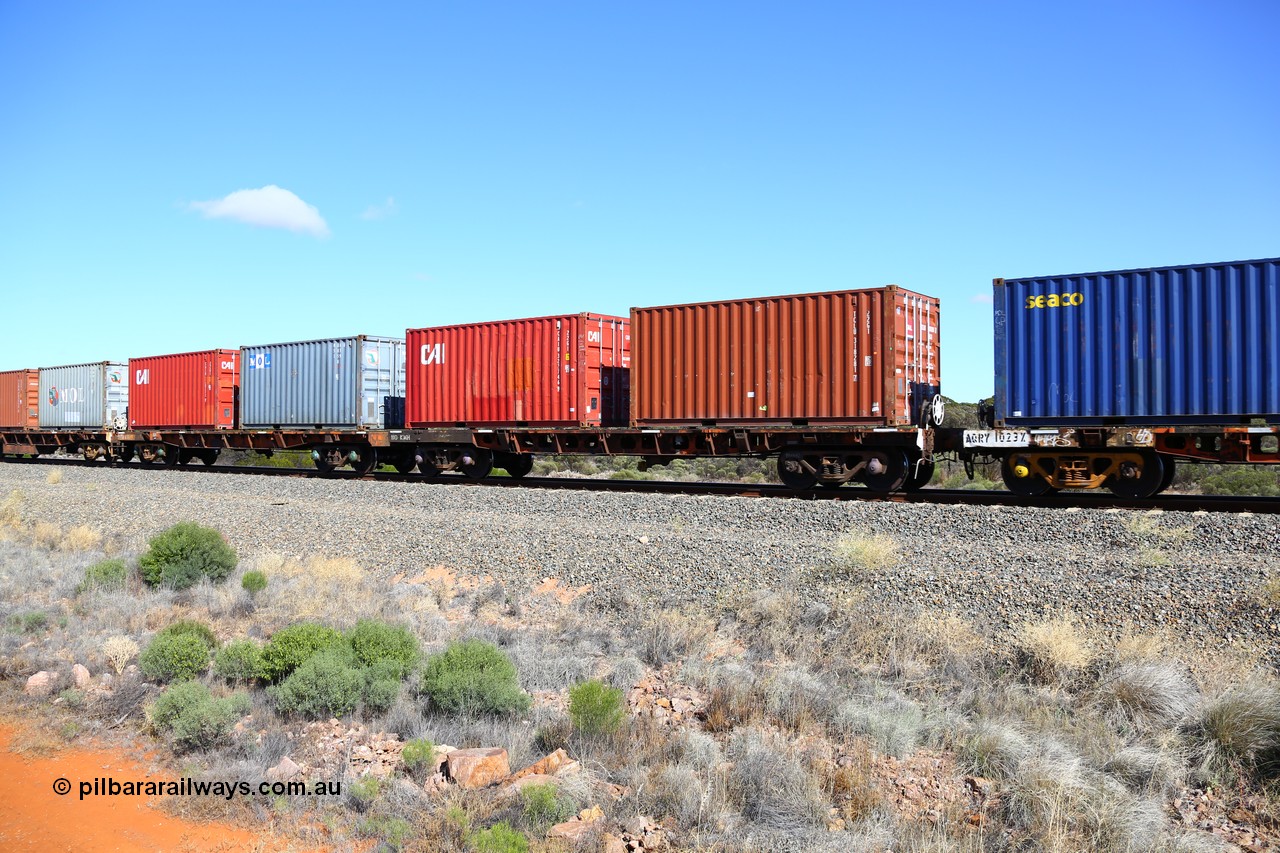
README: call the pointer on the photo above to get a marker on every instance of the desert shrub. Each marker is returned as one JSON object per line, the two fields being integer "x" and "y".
{"x": 595, "y": 708}
{"x": 995, "y": 750}
{"x": 185, "y": 553}
{"x": 377, "y": 642}
{"x": 1240, "y": 729}
{"x": 1053, "y": 650}
{"x": 545, "y": 805}
{"x": 770, "y": 786}
{"x": 174, "y": 657}
{"x": 105, "y": 575}
{"x": 362, "y": 792}
{"x": 253, "y": 583}
{"x": 864, "y": 554}
{"x": 1149, "y": 693}
{"x": 80, "y": 538}
{"x": 419, "y": 757}
{"x": 499, "y": 838}
{"x": 382, "y": 685}
{"x": 1242, "y": 480}
{"x": 290, "y": 646}
{"x": 31, "y": 622}
{"x": 326, "y": 684}
{"x": 119, "y": 651}
{"x": 239, "y": 660}
{"x": 892, "y": 723}
{"x": 669, "y": 635}
{"x": 190, "y": 714}
{"x": 394, "y": 831}
{"x": 473, "y": 676}
{"x": 190, "y": 627}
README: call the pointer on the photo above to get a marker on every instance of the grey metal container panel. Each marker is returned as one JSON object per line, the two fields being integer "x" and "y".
{"x": 334, "y": 383}
{"x": 84, "y": 396}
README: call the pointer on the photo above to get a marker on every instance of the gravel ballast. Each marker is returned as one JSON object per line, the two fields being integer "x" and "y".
{"x": 1199, "y": 574}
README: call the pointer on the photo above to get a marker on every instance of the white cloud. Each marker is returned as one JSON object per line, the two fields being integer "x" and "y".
{"x": 981, "y": 298}
{"x": 269, "y": 207}
{"x": 380, "y": 211}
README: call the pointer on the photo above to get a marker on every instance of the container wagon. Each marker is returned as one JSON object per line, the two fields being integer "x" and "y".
{"x": 332, "y": 384}
{"x": 567, "y": 371}
{"x": 20, "y": 399}
{"x": 183, "y": 391}
{"x": 1105, "y": 378}
{"x": 84, "y": 396}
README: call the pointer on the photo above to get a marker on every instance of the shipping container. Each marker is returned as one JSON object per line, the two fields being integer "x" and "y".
{"x": 1197, "y": 344}
{"x": 569, "y": 370}
{"x": 334, "y": 383}
{"x": 84, "y": 396}
{"x": 192, "y": 390}
{"x": 20, "y": 399}
{"x": 864, "y": 357}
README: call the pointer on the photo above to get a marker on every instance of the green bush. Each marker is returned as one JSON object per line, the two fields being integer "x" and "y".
{"x": 1242, "y": 480}
{"x": 363, "y": 791}
{"x": 419, "y": 756}
{"x": 380, "y": 693}
{"x": 499, "y": 838}
{"x": 596, "y": 708}
{"x": 290, "y": 647}
{"x": 472, "y": 676}
{"x": 190, "y": 627}
{"x": 29, "y": 623}
{"x": 180, "y": 556}
{"x": 190, "y": 714}
{"x": 239, "y": 660}
{"x": 544, "y": 806}
{"x": 105, "y": 575}
{"x": 327, "y": 684}
{"x": 377, "y": 642}
{"x": 253, "y": 583}
{"x": 175, "y": 657}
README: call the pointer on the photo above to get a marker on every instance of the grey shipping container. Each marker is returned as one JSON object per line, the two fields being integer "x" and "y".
{"x": 334, "y": 383}
{"x": 1196, "y": 344}
{"x": 84, "y": 396}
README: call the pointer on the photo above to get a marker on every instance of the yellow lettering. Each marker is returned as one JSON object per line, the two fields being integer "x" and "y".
{"x": 1053, "y": 301}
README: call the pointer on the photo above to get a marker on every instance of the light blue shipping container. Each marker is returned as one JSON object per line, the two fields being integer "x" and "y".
{"x": 85, "y": 396}
{"x": 335, "y": 383}
{"x": 1196, "y": 344}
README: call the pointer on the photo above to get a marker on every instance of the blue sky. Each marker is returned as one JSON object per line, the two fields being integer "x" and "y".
{"x": 451, "y": 163}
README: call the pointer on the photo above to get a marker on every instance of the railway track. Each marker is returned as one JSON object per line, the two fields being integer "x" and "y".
{"x": 1060, "y": 500}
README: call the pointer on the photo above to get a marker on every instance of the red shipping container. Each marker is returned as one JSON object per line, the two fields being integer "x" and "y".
{"x": 192, "y": 390}
{"x": 570, "y": 370}
{"x": 863, "y": 357}
{"x": 20, "y": 399}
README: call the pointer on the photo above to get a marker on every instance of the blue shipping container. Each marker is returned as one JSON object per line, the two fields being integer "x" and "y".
{"x": 335, "y": 383}
{"x": 1197, "y": 344}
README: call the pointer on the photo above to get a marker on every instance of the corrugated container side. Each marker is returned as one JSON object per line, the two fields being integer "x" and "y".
{"x": 567, "y": 370}
{"x": 84, "y": 396}
{"x": 192, "y": 390}
{"x": 1195, "y": 344}
{"x": 20, "y": 399}
{"x": 858, "y": 356}
{"x": 334, "y": 383}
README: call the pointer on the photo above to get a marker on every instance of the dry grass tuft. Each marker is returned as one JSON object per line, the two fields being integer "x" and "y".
{"x": 80, "y": 538}
{"x": 1240, "y": 729}
{"x": 55, "y": 477}
{"x": 1054, "y": 650}
{"x": 47, "y": 535}
{"x": 11, "y": 509}
{"x": 119, "y": 651}
{"x": 1150, "y": 694}
{"x": 1269, "y": 592}
{"x": 862, "y": 554}
{"x": 309, "y": 590}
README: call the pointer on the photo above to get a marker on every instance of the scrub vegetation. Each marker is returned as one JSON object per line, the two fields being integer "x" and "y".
{"x": 771, "y": 722}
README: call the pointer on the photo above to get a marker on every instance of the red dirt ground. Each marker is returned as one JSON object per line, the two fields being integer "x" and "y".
{"x": 34, "y": 818}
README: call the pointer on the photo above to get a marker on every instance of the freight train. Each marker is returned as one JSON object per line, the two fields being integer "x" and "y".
{"x": 1101, "y": 380}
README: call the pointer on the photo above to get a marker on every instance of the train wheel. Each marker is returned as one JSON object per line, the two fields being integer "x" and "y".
{"x": 476, "y": 463}
{"x": 891, "y": 475}
{"x": 518, "y": 465}
{"x": 123, "y": 453}
{"x": 795, "y": 472}
{"x": 404, "y": 464}
{"x": 428, "y": 470}
{"x": 1170, "y": 469}
{"x": 367, "y": 460}
{"x": 209, "y": 455}
{"x": 1020, "y": 479}
{"x": 172, "y": 457}
{"x": 918, "y": 476}
{"x": 1142, "y": 481}
{"x": 326, "y": 459}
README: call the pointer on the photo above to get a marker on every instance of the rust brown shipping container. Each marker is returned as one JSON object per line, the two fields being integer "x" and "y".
{"x": 863, "y": 357}
{"x": 20, "y": 399}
